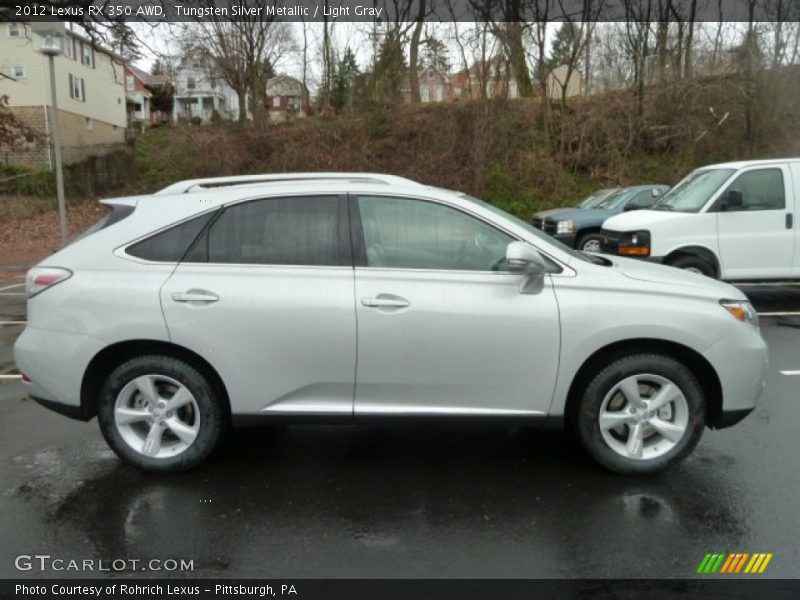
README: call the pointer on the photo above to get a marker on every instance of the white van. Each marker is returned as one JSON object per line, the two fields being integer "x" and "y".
{"x": 733, "y": 221}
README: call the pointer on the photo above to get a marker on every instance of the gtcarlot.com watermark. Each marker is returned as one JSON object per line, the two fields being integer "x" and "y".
{"x": 46, "y": 562}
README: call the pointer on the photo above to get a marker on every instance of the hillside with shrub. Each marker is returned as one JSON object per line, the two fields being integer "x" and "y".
{"x": 496, "y": 149}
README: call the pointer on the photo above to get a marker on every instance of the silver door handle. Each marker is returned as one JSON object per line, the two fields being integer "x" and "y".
{"x": 194, "y": 296}
{"x": 384, "y": 302}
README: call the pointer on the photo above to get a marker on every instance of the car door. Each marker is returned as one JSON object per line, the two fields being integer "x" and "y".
{"x": 756, "y": 239}
{"x": 442, "y": 326}
{"x": 266, "y": 295}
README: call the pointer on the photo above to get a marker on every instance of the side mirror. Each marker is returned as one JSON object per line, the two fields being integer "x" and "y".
{"x": 655, "y": 192}
{"x": 524, "y": 259}
{"x": 732, "y": 199}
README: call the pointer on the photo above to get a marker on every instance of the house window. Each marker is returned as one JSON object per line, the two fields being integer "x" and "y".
{"x": 69, "y": 48}
{"x": 88, "y": 123}
{"x": 276, "y": 101}
{"x": 77, "y": 88}
{"x": 87, "y": 55}
{"x": 129, "y": 84}
{"x": 20, "y": 72}
{"x": 14, "y": 30}
{"x": 191, "y": 83}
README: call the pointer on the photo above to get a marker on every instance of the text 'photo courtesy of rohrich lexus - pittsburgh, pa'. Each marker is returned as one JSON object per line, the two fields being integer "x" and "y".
{"x": 223, "y": 302}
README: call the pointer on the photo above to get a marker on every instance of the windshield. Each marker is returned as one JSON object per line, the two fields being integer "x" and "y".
{"x": 528, "y": 227}
{"x": 692, "y": 193}
{"x": 590, "y": 201}
{"x": 593, "y": 200}
{"x": 614, "y": 200}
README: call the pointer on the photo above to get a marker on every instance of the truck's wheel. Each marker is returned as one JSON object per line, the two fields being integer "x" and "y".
{"x": 591, "y": 242}
{"x": 694, "y": 264}
{"x": 641, "y": 414}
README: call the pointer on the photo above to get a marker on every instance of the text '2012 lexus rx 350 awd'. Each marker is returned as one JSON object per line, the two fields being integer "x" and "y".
{"x": 220, "y": 302}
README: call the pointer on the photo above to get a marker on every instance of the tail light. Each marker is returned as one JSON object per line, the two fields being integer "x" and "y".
{"x": 41, "y": 278}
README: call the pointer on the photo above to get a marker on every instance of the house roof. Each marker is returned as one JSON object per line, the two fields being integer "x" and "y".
{"x": 283, "y": 85}
{"x": 147, "y": 78}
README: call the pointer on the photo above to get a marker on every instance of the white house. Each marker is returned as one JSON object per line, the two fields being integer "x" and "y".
{"x": 90, "y": 92}
{"x": 201, "y": 92}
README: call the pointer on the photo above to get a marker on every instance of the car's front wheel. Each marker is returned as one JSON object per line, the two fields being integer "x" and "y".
{"x": 641, "y": 414}
{"x": 159, "y": 414}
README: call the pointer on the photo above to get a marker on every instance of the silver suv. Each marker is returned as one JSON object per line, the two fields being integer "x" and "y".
{"x": 227, "y": 301}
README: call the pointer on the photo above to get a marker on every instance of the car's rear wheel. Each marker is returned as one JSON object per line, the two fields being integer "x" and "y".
{"x": 694, "y": 264}
{"x": 160, "y": 414}
{"x": 641, "y": 414}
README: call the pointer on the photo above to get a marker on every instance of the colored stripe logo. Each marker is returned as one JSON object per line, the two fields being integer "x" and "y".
{"x": 734, "y": 563}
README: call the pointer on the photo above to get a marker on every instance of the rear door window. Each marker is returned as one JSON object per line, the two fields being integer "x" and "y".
{"x": 301, "y": 231}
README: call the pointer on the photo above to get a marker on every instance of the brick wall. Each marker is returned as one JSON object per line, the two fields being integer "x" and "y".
{"x": 79, "y": 138}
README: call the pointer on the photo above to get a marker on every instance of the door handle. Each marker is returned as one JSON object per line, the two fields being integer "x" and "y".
{"x": 195, "y": 296}
{"x": 385, "y": 301}
{"x": 789, "y": 221}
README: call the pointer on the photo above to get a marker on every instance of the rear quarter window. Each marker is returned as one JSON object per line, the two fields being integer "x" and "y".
{"x": 171, "y": 244}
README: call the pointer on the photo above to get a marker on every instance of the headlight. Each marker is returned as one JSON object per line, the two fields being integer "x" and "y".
{"x": 741, "y": 310}
{"x": 565, "y": 227}
{"x": 634, "y": 243}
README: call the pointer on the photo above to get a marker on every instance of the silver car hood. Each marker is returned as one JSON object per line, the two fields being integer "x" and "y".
{"x": 641, "y": 270}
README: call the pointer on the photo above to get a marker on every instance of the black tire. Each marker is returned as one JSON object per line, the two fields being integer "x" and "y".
{"x": 589, "y": 238}
{"x": 588, "y": 412}
{"x": 209, "y": 411}
{"x": 695, "y": 263}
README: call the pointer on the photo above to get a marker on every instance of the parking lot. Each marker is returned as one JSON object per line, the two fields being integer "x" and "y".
{"x": 407, "y": 501}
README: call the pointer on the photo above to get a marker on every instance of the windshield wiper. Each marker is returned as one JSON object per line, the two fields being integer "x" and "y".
{"x": 663, "y": 207}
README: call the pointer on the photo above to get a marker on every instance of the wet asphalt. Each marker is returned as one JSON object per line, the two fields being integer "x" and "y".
{"x": 407, "y": 501}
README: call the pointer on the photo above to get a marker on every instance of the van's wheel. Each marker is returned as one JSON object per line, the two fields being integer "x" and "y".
{"x": 641, "y": 414}
{"x": 694, "y": 264}
{"x": 591, "y": 242}
{"x": 159, "y": 414}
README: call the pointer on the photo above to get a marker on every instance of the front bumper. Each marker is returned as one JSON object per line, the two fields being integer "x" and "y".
{"x": 568, "y": 239}
{"x": 741, "y": 361}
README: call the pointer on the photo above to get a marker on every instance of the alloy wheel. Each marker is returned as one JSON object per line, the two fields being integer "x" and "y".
{"x": 643, "y": 417}
{"x": 157, "y": 416}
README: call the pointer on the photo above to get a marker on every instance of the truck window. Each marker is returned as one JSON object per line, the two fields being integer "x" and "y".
{"x": 692, "y": 193}
{"x": 761, "y": 189}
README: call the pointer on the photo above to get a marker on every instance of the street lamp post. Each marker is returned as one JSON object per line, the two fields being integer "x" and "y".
{"x": 51, "y": 47}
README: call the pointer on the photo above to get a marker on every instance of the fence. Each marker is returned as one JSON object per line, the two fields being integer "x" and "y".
{"x": 93, "y": 176}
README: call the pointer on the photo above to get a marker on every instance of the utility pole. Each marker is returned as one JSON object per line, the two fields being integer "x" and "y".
{"x": 51, "y": 47}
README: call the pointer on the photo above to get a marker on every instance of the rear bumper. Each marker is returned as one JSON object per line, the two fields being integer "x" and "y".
{"x": 68, "y": 410}
{"x": 55, "y": 362}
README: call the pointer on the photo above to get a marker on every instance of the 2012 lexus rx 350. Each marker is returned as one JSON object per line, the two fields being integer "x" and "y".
{"x": 219, "y": 302}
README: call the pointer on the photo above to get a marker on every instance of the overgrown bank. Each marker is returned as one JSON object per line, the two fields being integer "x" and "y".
{"x": 495, "y": 149}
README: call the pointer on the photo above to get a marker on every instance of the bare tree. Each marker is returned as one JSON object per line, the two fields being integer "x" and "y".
{"x": 413, "y": 59}
{"x": 244, "y": 52}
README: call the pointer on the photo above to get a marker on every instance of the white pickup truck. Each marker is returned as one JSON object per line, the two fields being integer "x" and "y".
{"x": 733, "y": 221}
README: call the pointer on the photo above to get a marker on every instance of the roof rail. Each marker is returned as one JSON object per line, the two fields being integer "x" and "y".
{"x": 192, "y": 185}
